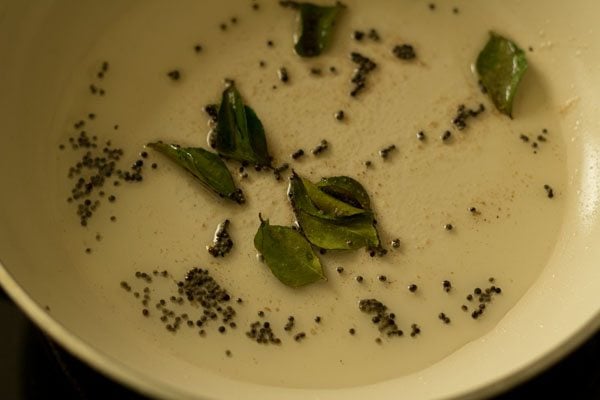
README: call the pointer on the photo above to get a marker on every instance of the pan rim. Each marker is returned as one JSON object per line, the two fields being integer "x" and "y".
{"x": 112, "y": 368}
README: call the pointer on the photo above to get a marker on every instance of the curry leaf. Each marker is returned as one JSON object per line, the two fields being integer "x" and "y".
{"x": 258, "y": 139}
{"x": 299, "y": 197}
{"x": 347, "y": 190}
{"x": 315, "y": 26}
{"x": 349, "y": 233}
{"x": 331, "y": 222}
{"x": 288, "y": 254}
{"x": 316, "y": 202}
{"x": 204, "y": 165}
{"x": 239, "y": 133}
{"x": 501, "y": 65}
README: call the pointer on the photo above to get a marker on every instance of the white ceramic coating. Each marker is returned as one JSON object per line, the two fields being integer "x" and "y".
{"x": 540, "y": 251}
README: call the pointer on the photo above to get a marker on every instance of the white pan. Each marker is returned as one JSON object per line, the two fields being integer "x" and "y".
{"x": 51, "y": 52}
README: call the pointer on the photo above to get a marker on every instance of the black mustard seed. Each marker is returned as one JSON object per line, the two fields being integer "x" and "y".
{"x": 175, "y": 75}
{"x": 404, "y": 52}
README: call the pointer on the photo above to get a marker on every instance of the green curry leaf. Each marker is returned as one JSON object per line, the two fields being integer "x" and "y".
{"x": 315, "y": 26}
{"x": 239, "y": 133}
{"x": 347, "y": 234}
{"x": 347, "y": 190}
{"x": 501, "y": 65}
{"x": 204, "y": 165}
{"x": 288, "y": 254}
{"x": 316, "y": 202}
{"x": 331, "y": 222}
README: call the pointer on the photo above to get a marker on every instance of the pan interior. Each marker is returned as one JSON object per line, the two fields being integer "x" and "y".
{"x": 537, "y": 249}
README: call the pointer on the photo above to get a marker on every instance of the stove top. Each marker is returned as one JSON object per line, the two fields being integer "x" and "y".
{"x": 32, "y": 366}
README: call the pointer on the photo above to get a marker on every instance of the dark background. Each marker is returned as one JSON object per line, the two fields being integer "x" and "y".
{"x": 33, "y": 367}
